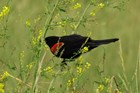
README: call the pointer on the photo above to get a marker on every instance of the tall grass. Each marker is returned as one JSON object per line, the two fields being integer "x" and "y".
{"x": 27, "y": 65}
{"x": 128, "y": 84}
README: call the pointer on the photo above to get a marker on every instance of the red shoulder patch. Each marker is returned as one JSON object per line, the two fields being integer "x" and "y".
{"x": 55, "y": 48}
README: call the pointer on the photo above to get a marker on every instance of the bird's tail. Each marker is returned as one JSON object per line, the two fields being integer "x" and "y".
{"x": 96, "y": 43}
{"x": 105, "y": 41}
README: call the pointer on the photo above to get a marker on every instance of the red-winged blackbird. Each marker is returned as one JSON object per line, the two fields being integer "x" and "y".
{"x": 71, "y": 46}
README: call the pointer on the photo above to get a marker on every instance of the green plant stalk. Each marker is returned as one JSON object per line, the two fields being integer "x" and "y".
{"x": 127, "y": 83}
{"x": 46, "y": 27}
{"x": 137, "y": 71}
{"x": 124, "y": 83}
{"x": 50, "y": 85}
{"x": 78, "y": 24}
{"x": 49, "y": 20}
{"x": 81, "y": 18}
{"x": 20, "y": 81}
{"x": 38, "y": 74}
{"x": 111, "y": 84}
{"x": 121, "y": 56}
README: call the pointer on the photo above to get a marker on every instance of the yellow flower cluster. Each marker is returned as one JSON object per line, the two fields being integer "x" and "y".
{"x": 29, "y": 66}
{"x": 36, "y": 40}
{"x": 106, "y": 80}
{"x": 5, "y": 75}
{"x": 48, "y": 69}
{"x": 100, "y": 88}
{"x": 61, "y": 24}
{"x": 39, "y": 35}
{"x": 82, "y": 66}
{"x": 76, "y": 6}
{"x": 85, "y": 49}
{"x": 1, "y": 88}
{"x": 28, "y": 23}
{"x": 99, "y": 6}
{"x": 87, "y": 65}
{"x": 2, "y": 77}
{"x": 79, "y": 70}
{"x": 21, "y": 56}
{"x": 92, "y": 13}
{"x": 70, "y": 82}
{"x": 4, "y": 12}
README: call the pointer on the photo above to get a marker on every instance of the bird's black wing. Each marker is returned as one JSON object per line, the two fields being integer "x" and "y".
{"x": 72, "y": 44}
{"x": 74, "y": 40}
{"x": 73, "y": 37}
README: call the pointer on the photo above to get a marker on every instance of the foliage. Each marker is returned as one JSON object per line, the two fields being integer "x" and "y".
{"x": 27, "y": 67}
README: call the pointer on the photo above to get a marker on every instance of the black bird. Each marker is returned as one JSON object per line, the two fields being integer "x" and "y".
{"x": 72, "y": 46}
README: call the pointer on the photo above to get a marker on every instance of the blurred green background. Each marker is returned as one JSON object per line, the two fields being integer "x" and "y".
{"x": 109, "y": 22}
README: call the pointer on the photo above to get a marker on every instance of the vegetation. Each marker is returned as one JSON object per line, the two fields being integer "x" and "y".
{"x": 27, "y": 65}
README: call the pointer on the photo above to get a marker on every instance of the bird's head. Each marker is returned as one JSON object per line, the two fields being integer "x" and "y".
{"x": 51, "y": 40}
{"x": 54, "y": 44}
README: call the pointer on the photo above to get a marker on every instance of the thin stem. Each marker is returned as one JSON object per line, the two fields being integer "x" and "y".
{"x": 38, "y": 73}
{"x": 124, "y": 83}
{"x": 52, "y": 82}
{"x": 125, "y": 80}
{"x": 117, "y": 86}
{"x": 81, "y": 18}
{"x": 19, "y": 80}
{"x": 121, "y": 56}
{"x": 46, "y": 27}
{"x": 111, "y": 82}
{"x": 137, "y": 71}
{"x": 48, "y": 21}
